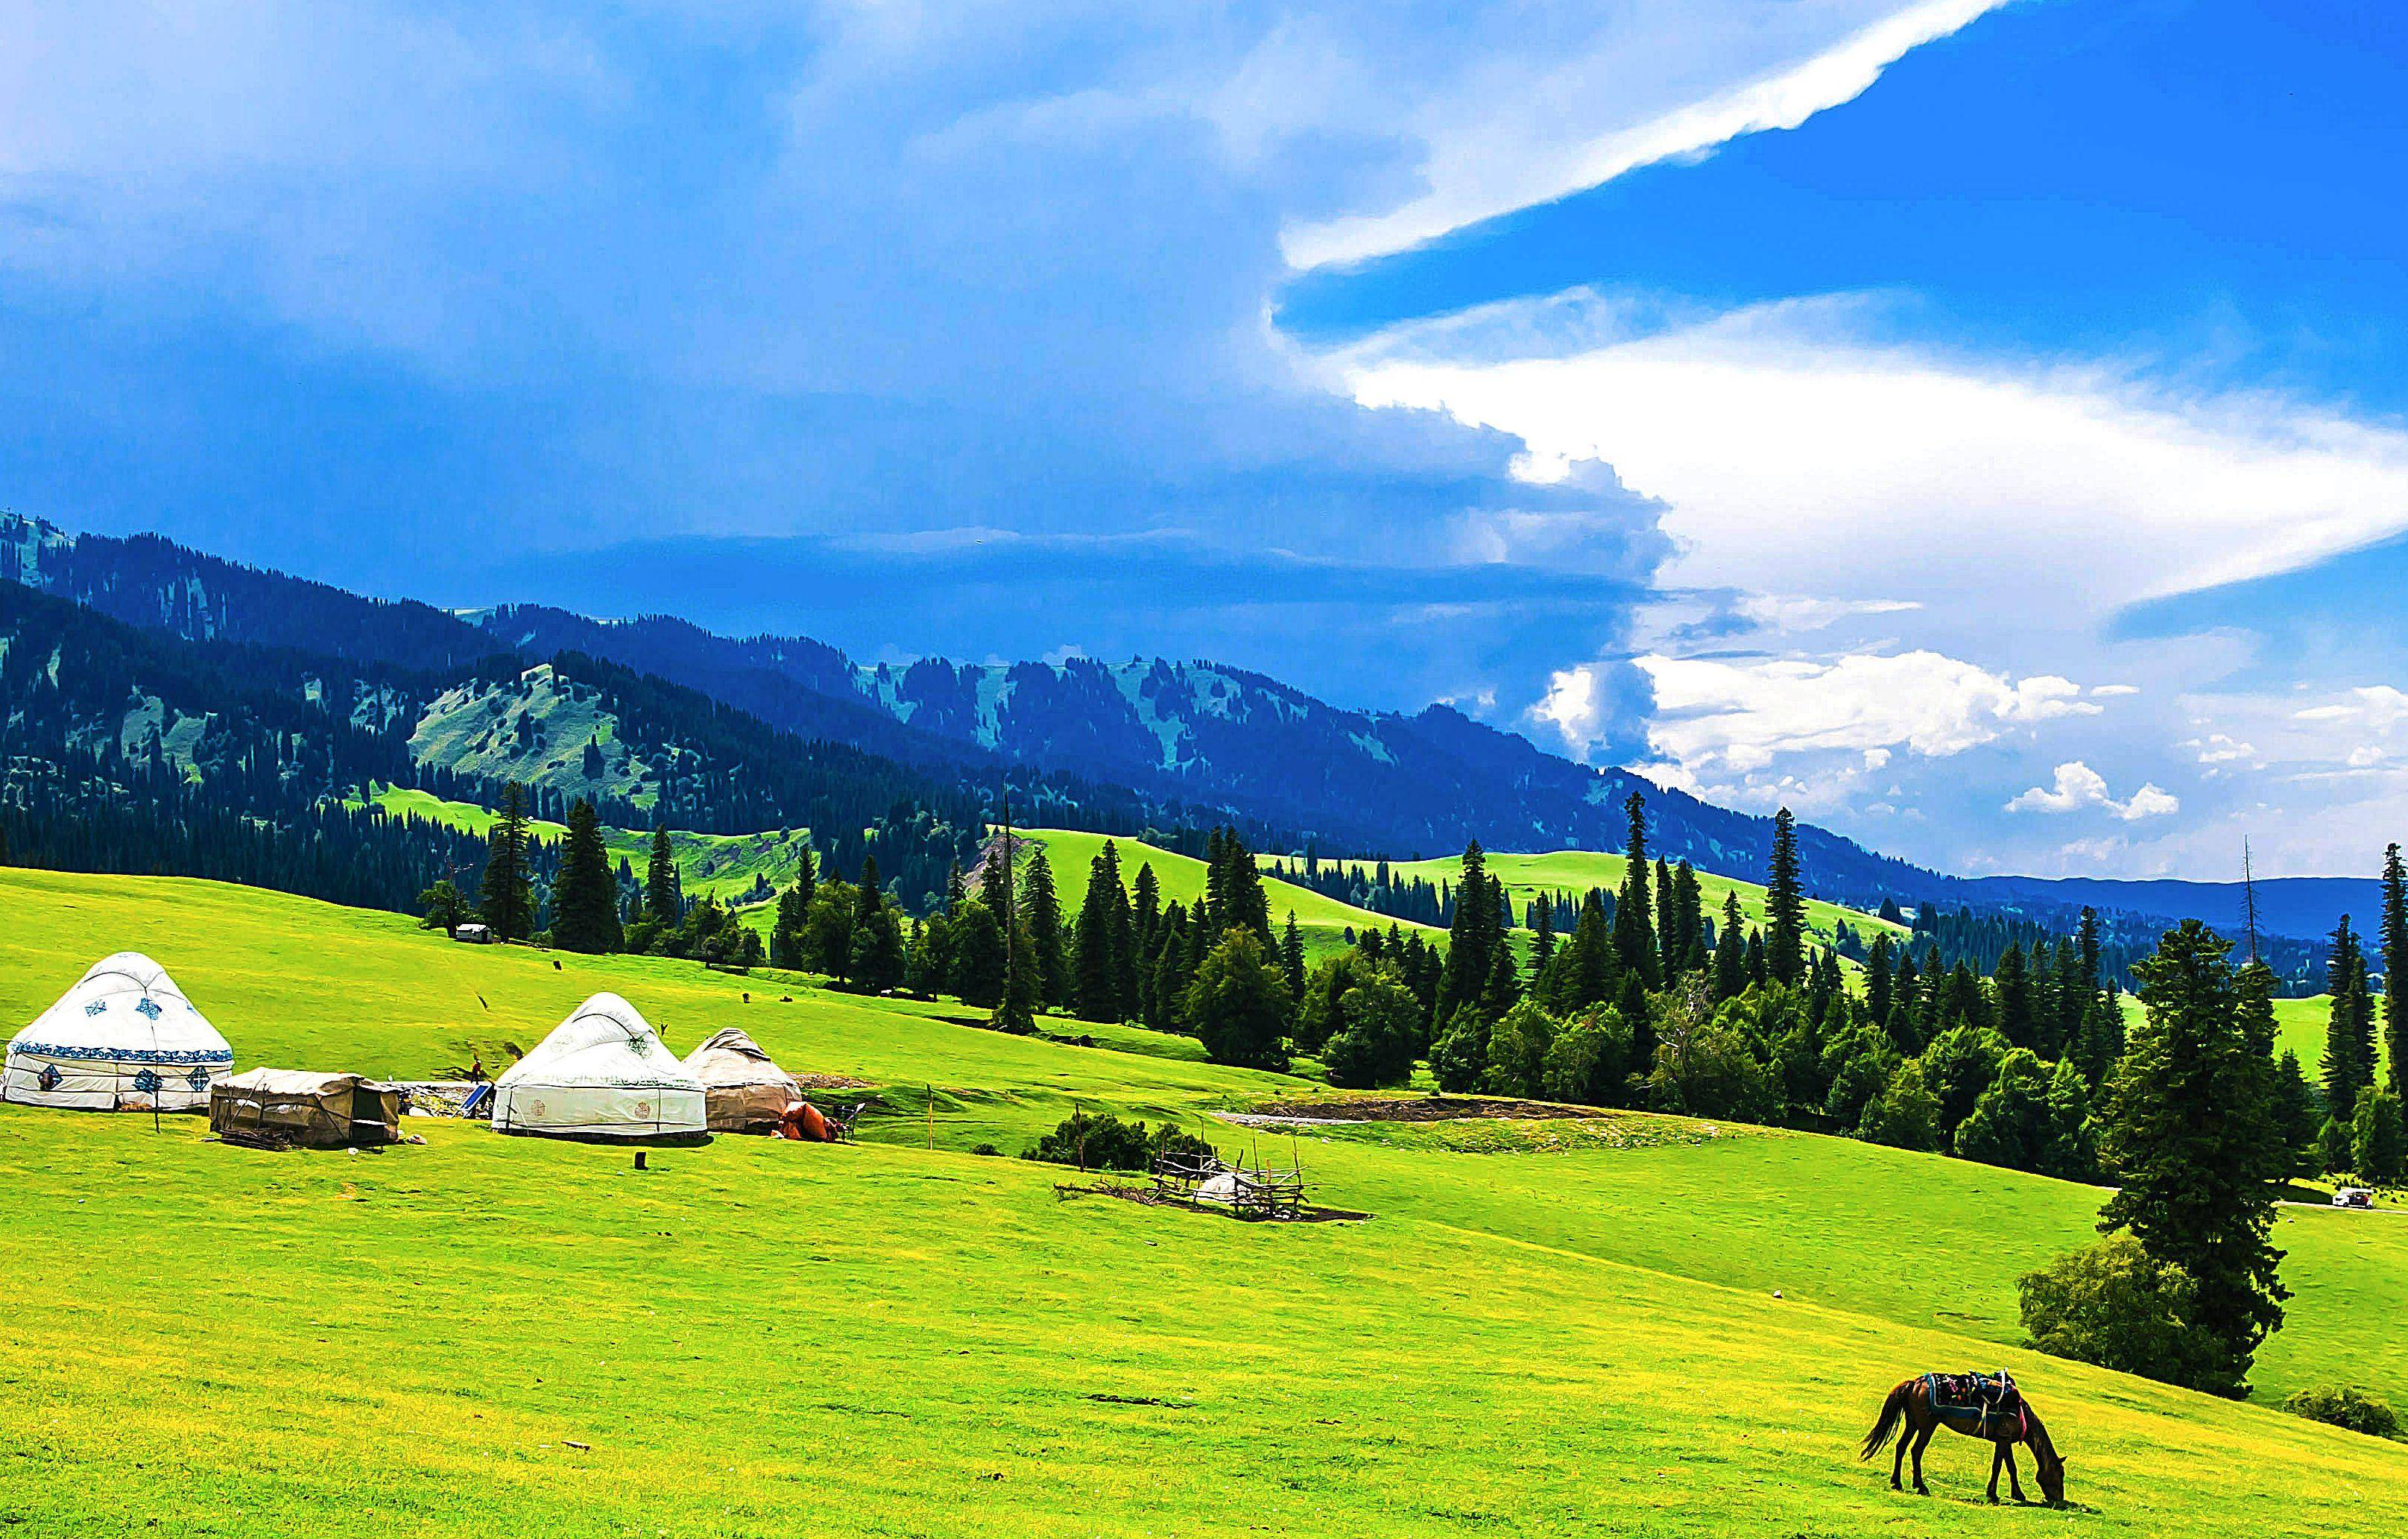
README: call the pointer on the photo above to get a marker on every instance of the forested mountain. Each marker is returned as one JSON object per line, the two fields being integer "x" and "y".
{"x": 1220, "y": 739}
{"x": 1125, "y": 744}
{"x": 721, "y": 734}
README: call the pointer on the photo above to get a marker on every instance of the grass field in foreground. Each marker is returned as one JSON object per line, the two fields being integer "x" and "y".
{"x": 1322, "y": 920}
{"x": 767, "y": 1338}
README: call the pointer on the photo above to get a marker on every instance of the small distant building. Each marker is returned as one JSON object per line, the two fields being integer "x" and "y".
{"x": 475, "y": 935}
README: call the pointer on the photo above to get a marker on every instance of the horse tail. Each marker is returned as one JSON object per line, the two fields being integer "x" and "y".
{"x": 1892, "y": 1411}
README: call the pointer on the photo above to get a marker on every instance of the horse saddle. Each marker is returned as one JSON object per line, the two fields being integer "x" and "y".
{"x": 1985, "y": 1395}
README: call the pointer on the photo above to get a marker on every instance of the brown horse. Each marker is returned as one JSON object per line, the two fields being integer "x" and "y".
{"x": 1913, "y": 1404}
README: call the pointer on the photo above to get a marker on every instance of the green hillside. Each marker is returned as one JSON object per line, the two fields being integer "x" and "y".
{"x": 1575, "y": 871}
{"x": 1562, "y": 1327}
{"x": 2300, "y": 1027}
{"x": 727, "y": 867}
{"x": 1323, "y": 921}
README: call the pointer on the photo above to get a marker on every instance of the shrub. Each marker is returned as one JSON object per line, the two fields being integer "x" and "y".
{"x": 1588, "y": 1061}
{"x": 1105, "y": 1142}
{"x": 2110, "y": 1303}
{"x": 1517, "y": 1051}
{"x": 2347, "y": 1406}
{"x": 1460, "y": 1055}
{"x": 1375, "y": 1046}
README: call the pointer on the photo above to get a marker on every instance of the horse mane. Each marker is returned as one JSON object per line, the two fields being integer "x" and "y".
{"x": 2041, "y": 1442}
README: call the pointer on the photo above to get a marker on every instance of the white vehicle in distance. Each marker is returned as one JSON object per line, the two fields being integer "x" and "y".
{"x": 2353, "y": 1197}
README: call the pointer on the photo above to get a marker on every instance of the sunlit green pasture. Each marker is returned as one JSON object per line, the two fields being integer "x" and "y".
{"x": 1322, "y": 920}
{"x": 1564, "y": 1330}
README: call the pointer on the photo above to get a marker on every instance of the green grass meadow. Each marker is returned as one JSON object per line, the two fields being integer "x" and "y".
{"x": 1322, "y": 922}
{"x": 1550, "y": 1327}
{"x": 1575, "y": 871}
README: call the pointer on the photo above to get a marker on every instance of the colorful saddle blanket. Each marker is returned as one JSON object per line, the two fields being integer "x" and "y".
{"x": 1975, "y": 1396}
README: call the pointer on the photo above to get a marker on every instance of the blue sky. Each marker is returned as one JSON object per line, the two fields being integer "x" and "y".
{"x": 1978, "y": 425}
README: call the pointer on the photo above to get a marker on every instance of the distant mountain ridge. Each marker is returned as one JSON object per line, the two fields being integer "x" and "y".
{"x": 1196, "y": 738}
{"x": 1359, "y": 782}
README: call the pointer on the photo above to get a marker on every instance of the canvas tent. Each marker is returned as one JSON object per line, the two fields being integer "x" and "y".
{"x": 300, "y": 1109}
{"x": 741, "y": 1087}
{"x": 125, "y": 1037}
{"x": 603, "y": 1074}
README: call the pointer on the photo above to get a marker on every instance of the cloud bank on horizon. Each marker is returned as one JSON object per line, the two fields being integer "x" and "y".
{"x": 1942, "y": 416}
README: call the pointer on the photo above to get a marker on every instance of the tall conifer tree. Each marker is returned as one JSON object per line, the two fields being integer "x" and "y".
{"x": 1784, "y": 902}
{"x": 1634, "y": 911}
{"x": 584, "y": 896}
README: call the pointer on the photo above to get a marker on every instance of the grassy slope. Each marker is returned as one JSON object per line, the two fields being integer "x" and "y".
{"x": 2299, "y": 1027}
{"x": 1579, "y": 1340}
{"x": 1526, "y": 876}
{"x": 1322, "y": 920}
{"x": 722, "y": 866}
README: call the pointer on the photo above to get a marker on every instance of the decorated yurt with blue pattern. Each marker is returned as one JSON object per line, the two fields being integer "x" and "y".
{"x": 125, "y": 1037}
{"x": 602, "y": 1074}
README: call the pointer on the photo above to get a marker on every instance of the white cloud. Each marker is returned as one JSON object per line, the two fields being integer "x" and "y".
{"x": 1790, "y": 612}
{"x": 2377, "y": 708}
{"x": 2107, "y": 691}
{"x": 1652, "y": 84}
{"x": 2079, "y": 786}
{"x": 2220, "y": 748}
{"x": 1786, "y": 440}
{"x": 1573, "y": 705}
{"x": 1714, "y": 715}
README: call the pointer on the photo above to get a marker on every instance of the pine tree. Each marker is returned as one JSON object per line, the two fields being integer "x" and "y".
{"x": 2294, "y": 1116}
{"x": 1095, "y": 972}
{"x": 1145, "y": 909}
{"x": 1685, "y": 910}
{"x": 875, "y": 964}
{"x": 1119, "y": 933}
{"x": 2394, "y": 940}
{"x": 1543, "y": 940}
{"x": 1634, "y": 922}
{"x": 661, "y": 903}
{"x": 506, "y": 898}
{"x": 2011, "y": 992}
{"x": 995, "y": 875}
{"x": 1238, "y": 1005}
{"x": 585, "y": 896}
{"x": 2378, "y": 1144}
{"x": 1591, "y": 970}
{"x": 1292, "y": 956}
{"x": 1040, "y": 905}
{"x": 1472, "y": 936}
{"x": 1784, "y": 902}
{"x": 1881, "y": 981}
{"x": 2349, "y": 1048}
{"x": 2190, "y": 1132}
{"x": 1730, "y": 952}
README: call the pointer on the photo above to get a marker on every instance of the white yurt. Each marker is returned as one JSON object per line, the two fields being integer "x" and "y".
{"x": 125, "y": 1037}
{"x": 742, "y": 1087}
{"x": 603, "y": 1074}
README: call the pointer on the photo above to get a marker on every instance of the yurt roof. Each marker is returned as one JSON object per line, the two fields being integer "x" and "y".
{"x": 605, "y": 1043}
{"x": 730, "y": 1056}
{"x": 124, "y": 1008}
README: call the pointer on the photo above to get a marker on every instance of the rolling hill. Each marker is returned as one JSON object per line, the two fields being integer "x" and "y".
{"x": 1323, "y": 921}
{"x": 1529, "y": 1333}
{"x": 1575, "y": 871}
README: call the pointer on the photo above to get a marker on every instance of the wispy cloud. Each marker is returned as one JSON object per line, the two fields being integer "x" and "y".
{"x": 1498, "y": 143}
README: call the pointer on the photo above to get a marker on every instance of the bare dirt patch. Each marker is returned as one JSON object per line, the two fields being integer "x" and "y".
{"x": 1408, "y": 1109}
